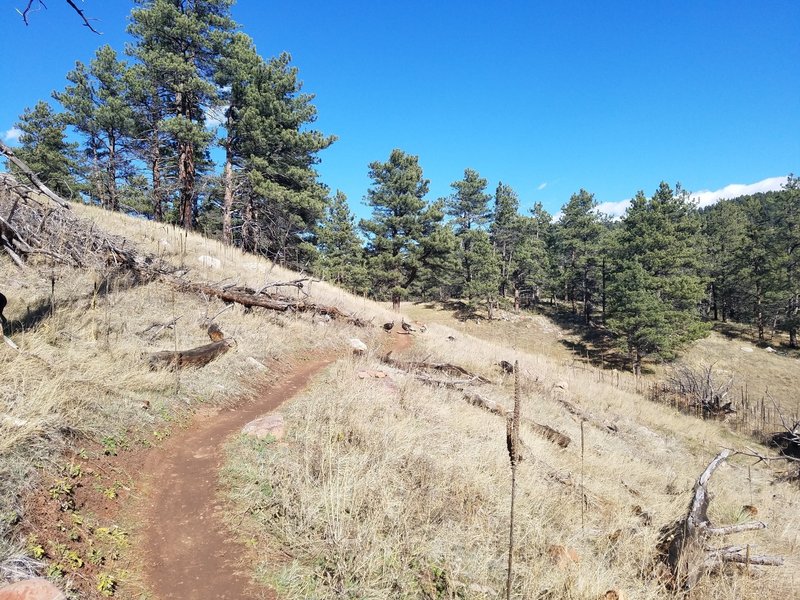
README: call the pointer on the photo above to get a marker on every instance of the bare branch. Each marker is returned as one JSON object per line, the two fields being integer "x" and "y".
{"x": 29, "y": 8}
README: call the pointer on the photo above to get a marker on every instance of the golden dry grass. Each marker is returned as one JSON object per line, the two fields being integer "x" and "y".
{"x": 394, "y": 489}
{"x": 384, "y": 488}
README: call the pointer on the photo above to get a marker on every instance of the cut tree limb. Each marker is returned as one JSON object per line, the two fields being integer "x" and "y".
{"x": 195, "y": 357}
{"x": 683, "y": 546}
{"x": 32, "y": 177}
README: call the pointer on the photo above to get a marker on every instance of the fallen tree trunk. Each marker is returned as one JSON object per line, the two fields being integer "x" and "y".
{"x": 683, "y": 544}
{"x": 195, "y": 357}
{"x": 487, "y": 404}
{"x": 447, "y": 368}
{"x": 252, "y": 299}
{"x": 585, "y": 415}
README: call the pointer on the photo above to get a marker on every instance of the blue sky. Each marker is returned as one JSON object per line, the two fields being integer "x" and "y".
{"x": 548, "y": 97}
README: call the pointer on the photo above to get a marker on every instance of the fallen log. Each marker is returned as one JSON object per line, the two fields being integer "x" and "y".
{"x": 253, "y": 299}
{"x": 683, "y": 544}
{"x": 195, "y": 357}
{"x": 585, "y": 415}
{"x": 447, "y": 368}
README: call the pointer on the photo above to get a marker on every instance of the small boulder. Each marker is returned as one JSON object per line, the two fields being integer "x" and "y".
{"x": 770, "y": 349}
{"x": 31, "y": 589}
{"x": 358, "y": 346}
{"x": 746, "y": 349}
{"x": 268, "y": 425}
{"x": 257, "y": 364}
{"x": 210, "y": 262}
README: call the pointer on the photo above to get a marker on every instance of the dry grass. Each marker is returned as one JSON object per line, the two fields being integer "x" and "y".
{"x": 385, "y": 488}
{"x": 81, "y": 373}
{"x": 393, "y": 489}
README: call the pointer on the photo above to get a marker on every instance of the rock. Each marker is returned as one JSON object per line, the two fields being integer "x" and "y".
{"x": 258, "y": 365}
{"x": 358, "y": 346}
{"x": 562, "y": 556}
{"x": 210, "y": 262}
{"x": 268, "y": 425}
{"x": 561, "y": 385}
{"x": 769, "y": 349}
{"x": 746, "y": 349}
{"x": 31, "y": 589}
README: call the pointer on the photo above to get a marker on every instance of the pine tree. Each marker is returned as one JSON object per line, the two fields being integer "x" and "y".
{"x": 656, "y": 291}
{"x": 96, "y": 106}
{"x": 44, "y": 148}
{"x": 404, "y": 231}
{"x": 579, "y": 232}
{"x": 485, "y": 284}
{"x": 468, "y": 207}
{"x": 341, "y": 257}
{"x": 282, "y": 200}
{"x": 178, "y": 42}
{"x": 505, "y": 232}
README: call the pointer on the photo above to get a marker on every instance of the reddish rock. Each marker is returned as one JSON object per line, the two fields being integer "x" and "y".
{"x": 31, "y": 589}
{"x": 268, "y": 425}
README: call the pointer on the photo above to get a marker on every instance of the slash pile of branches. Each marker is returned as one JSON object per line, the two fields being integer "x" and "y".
{"x": 701, "y": 390}
{"x": 34, "y": 221}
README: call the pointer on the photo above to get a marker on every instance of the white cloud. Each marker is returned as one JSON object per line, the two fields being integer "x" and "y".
{"x": 12, "y": 135}
{"x": 615, "y": 210}
{"x": 734, "y": 190}
{"x": 542, "y": 186}
{"x": 704, "y": 197}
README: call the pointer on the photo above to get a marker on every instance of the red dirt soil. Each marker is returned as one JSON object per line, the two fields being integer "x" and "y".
{"x": 187, "y": 551}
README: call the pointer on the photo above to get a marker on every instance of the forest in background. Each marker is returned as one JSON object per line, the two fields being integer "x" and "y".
{"x": 136, "y": 133}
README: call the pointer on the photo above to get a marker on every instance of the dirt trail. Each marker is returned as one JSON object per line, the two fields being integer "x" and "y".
{"x": 187, "y": 551}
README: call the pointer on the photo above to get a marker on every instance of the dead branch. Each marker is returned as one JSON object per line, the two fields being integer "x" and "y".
{"x": 585, "y": 415}
{"x": 682, "y": 545}
{"x": 195, "y": 357}
{"x": 251, "y": 299}
{"x": 28, "y": 172}
{"x": 447, "y": 368}
{"x": 80, "y": 12}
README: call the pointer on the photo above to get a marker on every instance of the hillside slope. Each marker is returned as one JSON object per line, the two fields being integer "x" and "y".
{"x": 384, "y": 487}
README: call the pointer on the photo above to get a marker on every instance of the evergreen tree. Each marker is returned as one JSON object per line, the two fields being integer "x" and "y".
{"x": 505, "y": 232}
{"x": 724, "y": 227}
{"x": 654, "y": 295}
{"x": 468, "y": 207}
{"x": 178, "y": 42}
{"x": 404, "y": 231}
{"x": 282, "y": 199}
{"x": 579, "y": 232}
{"x": 485, "y": 284}
{"x": 97, "y": 106}
{"x": 341, "y": 256}
{"x": 44, "y": 148}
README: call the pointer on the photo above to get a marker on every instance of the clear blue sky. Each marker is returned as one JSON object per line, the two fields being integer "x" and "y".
{"x": 548, "y": 97}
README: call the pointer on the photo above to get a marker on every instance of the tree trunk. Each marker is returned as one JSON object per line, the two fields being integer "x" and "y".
{"x": 516, "y": 300}
{"x": 759, "y": 313}
{"x": 396, "y": 301}
{"x": 714, "y": 301}
{"x": 155, "y": 174}
{"x": 111, "y": 173}
{"x": 186, "y": 183}
{"x": 603, "y": 296}
{"x": 227, "y": 202}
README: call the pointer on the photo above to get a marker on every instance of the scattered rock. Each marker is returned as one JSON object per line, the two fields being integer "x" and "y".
{"x": 562, "y": 556}
{"x": 770, "y": 349}
{"x": 371, "y": 374}
{"x": 210, "y": 262}
{"x": 268, "y": 425}
{"x": 358, "y": 346}
{"x": 746, "y": 349}
{"x": 749, "y": 510}
{"x": 31, "y": 589}
{"x": 257, "y": 364}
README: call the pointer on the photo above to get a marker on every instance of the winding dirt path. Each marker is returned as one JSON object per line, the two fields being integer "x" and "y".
{"x": 187, "y": 551}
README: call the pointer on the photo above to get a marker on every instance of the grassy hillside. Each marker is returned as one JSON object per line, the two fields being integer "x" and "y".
{"x": 383, "y": 487}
